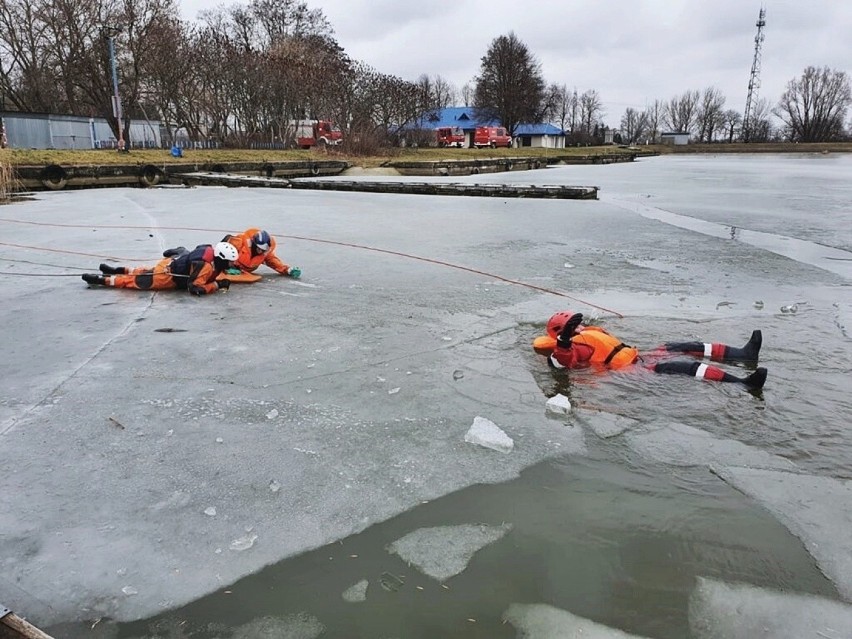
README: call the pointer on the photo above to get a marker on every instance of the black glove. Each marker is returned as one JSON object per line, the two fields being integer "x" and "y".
{"x": 223, "y": 284}
{"x": 174, "y": 252}
{"x": 567, "y": 332}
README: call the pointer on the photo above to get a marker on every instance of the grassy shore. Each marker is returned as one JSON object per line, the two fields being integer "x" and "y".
{"x": 32, "y": 157}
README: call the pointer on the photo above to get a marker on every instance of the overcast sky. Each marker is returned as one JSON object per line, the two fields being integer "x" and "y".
{"x": 630, "y": 51}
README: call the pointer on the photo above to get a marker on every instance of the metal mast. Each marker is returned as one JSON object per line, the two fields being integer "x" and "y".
{"x": 754, "y": 79}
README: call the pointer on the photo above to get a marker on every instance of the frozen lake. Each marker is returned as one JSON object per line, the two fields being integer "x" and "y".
{"x": 293, "y": 461}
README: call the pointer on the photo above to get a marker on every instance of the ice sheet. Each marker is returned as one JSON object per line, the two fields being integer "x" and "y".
{"x": 682, "y": 445}
{"x": 739, "y": 611}
{"x": 818, "y": 510}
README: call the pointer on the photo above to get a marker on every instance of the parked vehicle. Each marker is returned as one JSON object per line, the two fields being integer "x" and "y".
{"x": 451, "y": 136}
{"x": 310, "y": 133}
{"x": 492, "y": 136}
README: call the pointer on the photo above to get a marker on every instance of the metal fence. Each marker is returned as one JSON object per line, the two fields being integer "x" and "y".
{"x": 46, "y": 131}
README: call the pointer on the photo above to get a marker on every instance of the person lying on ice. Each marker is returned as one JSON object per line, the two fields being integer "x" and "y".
{"x": 256, "y": 247}
{"x": 569, "y": 344}
{"x": 195, "y": 271}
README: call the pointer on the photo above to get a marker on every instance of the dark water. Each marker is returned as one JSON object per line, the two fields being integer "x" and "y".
{"x": 614, "y": 537}
{"x": 619, "y": 542}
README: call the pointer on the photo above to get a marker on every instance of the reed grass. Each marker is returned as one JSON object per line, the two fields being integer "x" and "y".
{"x": 8, "y": 182}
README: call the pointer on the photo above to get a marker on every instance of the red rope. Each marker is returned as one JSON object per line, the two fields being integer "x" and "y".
{"x": 304, "y": 239}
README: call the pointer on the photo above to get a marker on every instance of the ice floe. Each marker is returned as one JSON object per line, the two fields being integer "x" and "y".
{"x": 540, "y": 621}
{"x": 818, "y": 510}
{"x": 486, "y": 433}
{"x": 604, "y": 424}
{"x": 357, "y": 592}
{"x": 681, "y": 445}
{"x": 444, "y": 551}
{"x": 558, "y": 405}
{"x": 738, "y": 611}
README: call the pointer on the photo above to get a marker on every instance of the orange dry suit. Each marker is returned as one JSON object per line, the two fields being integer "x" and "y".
{"x": 593, "y": 345}
{"x": 248, "y": 260}
{"x": 194, "y": 271}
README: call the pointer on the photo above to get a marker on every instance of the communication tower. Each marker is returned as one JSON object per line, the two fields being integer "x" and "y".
{"x": 754, "y": 79}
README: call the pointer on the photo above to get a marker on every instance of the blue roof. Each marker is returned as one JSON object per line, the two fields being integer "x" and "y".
{"x": 458, "y": 116}
{"x": 464, "y": 117}
{"x": 538, "y": 129}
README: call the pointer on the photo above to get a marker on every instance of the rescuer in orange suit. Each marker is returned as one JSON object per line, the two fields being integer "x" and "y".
{"x": 256, "y": 247}
{"x": 195, "y": 271}
{"x": 570, "y": 344}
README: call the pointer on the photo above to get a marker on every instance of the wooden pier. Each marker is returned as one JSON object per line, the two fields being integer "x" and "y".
{"x": 14, "y": 627}
{"x": 555, "y": 192}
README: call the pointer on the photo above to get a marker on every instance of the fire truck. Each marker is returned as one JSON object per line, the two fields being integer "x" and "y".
{"x": 450, "y": 136}
{"x": 492, "y": 136}
{"x": 310, "y": 133}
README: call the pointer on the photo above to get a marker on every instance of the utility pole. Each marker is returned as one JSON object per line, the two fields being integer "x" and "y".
{"x": 116, "y": 98}
{"x": 754, "y": 79}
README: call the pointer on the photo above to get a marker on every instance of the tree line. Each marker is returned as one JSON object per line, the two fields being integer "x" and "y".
{"x": 242, "y": 74}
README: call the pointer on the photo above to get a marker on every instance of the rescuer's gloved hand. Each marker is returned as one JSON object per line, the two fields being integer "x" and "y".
{"x": 223, "y": 284}
{"x": 233, "y": 271}
{"x": 294, "y": 271}
{"x": 174, "y": 252}
{"x": 567, "y": 332}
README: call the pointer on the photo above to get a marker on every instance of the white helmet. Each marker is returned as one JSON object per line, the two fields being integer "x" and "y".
{"x": 226, "y": 251}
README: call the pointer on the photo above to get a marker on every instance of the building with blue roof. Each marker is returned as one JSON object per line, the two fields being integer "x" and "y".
{"x": 526, "y": 135}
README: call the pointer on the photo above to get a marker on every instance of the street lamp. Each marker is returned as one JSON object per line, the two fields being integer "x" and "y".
{"x": 116, "y": 99}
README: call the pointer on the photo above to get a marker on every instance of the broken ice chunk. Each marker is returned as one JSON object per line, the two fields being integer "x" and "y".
{"x": 243, "y": 543}
{"x": 559, "y": 404}
{"x": 445, "y": 551}
{"x": 357, "y": 592}
{"x": 486, "y": 433}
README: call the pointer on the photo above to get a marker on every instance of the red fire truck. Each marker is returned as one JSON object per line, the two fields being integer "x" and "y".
{"x": 310, "y": 133}
{"x": 450, "y": 136}
{"x": 492, "y": 136}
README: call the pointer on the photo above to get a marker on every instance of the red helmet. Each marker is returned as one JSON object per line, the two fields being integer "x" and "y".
{"x": 556, "y": 323}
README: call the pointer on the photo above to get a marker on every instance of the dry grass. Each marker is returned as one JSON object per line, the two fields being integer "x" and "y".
{"x": 7, "y": 176}
{"x": 26, "y": 157}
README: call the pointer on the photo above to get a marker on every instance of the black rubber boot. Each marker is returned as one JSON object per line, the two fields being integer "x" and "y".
{"x": 106, "y": 269}
{"x": 757, "y": 379}
{"x": 749, "y": 352}
{"x": 720, "y": 352}
{"x": 94, "y": 279}
{"x": 754, "y": 381}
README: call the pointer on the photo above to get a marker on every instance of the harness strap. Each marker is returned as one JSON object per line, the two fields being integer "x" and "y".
{"x": 614, "y": 352}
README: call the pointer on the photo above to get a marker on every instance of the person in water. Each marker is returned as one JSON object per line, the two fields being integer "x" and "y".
{"x": 570, "y": 345}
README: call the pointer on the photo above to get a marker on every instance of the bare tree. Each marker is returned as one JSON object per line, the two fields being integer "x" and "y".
{"x": 634, "y": 125}
{"x": 557, "y": 105}
{"x": 654, "y": 114}
{"x": 761, "y": 126}
{"x": 590, "y": 111}
{"x": 467, "y": 94}
{"x": 709, "y": 115}
{"x": 814, "y": 106}
{"x": 680, "y": 112}
{"x": 510, "y": 86}
{"x": 28, "y": 75}
{"x": 731, "y": 122}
